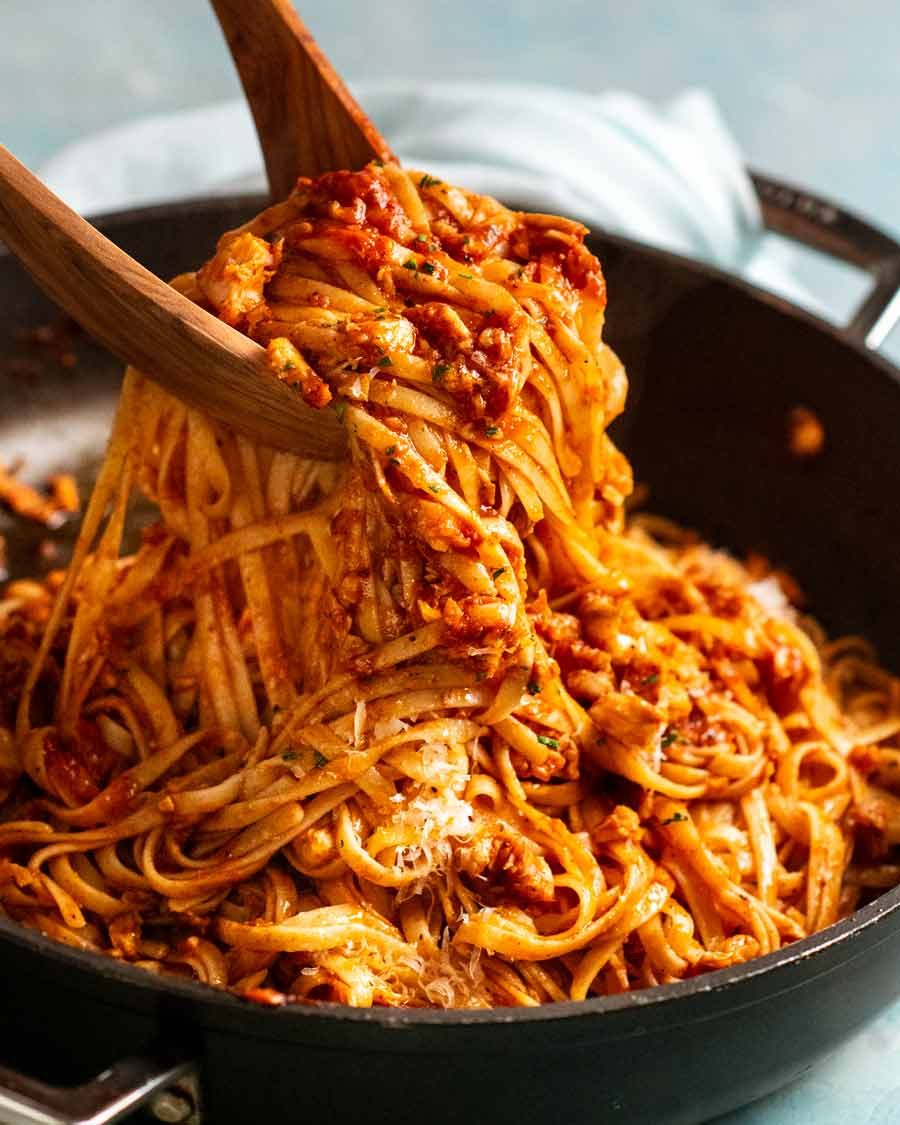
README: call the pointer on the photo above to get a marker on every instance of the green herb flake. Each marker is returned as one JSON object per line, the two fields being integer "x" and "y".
{"x": 428, "y": 181}
{"x": 496, "y": 573}
{"x": 676, "y": 819}
{"x": 545, "y": 740}
{"x": 421, "y": 238}
{"x": 491, "y": 431}
{"x": 649, "y": 681}
{"x": 379, "y": 309}
{"x": 410, "y": 264}
{"x": 319, "y": 760}
{"x": 290, "y": 756}
{"x": 436, "y": 489}
{"x": 668, "y": 738}
{"x": 533, "y": 687}
{"x": 385, "y": 361}
{"x": 390, "y": 450}
{"x": 428, "y": 267}
{"x": 339, "y": 408}
{"x": 439, "y": 371}
{"x": 467, "y": 276}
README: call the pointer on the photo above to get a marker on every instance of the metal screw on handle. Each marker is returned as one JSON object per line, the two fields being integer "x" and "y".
{"x": 822, "y": 225}
{"x": 179, "y": 1105}
{"x": 166, "y": 1084}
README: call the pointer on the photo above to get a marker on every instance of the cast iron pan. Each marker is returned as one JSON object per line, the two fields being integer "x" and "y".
{"x": 715, "y": 368}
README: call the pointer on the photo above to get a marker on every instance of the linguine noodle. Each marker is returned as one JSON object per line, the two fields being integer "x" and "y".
{"x": 434, "y": 726}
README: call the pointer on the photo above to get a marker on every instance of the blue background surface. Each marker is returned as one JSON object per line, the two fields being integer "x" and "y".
{"x": 810, "y": 89}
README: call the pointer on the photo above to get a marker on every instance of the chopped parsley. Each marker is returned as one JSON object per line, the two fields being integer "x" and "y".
{"x": 649, "y": 681}
{"x": 385, "y": 361}
{"x": 496, "y": 573}
{"x": 319, "y": 760}
{"x": 546, "y": 740}
{"x": 676, "y": 819}
{"x": 410, "y": 264}
{"x": 390, "y": 450}
{"x": 290, "y": 756}
{"x": 668, "y": 738}
{"x": 467, "y": 276}
{"x": 339, "y": 408}
{"x": 421, "y": 238}
{"x": 491, "y": 431}
{"x": 427, "y": 267}
{"x": 436, "y": 489}
{"x": 533, "y": 687}
{"x": 439, "y": 371}
{"x": 428, "y": 181}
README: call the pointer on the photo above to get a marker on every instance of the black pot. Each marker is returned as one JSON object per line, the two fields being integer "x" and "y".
{"x": 716, "y": 366}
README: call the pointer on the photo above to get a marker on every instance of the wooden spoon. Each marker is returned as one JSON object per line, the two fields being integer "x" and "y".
{"x": 307, "y": 120}
{"x": 148, "y": 324}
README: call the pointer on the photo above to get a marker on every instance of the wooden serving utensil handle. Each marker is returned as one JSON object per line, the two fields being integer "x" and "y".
{"x": 149, "y": 324}
{"x": 307, "y": 120}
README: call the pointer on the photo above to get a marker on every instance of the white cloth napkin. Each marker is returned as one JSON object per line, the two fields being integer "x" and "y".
{"x": 670, "y": 176}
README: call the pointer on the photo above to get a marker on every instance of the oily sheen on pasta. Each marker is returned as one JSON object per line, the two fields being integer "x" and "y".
{"x": 434, "y": 726}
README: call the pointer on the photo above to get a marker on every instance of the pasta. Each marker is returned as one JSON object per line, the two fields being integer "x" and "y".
{"x": 437, "y": 725}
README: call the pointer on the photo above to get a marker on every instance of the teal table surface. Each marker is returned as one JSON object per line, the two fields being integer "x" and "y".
{"x": 810, "y": 88}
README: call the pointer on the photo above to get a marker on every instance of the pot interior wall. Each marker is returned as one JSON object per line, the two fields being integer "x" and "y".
{"x": 715, "y": 374}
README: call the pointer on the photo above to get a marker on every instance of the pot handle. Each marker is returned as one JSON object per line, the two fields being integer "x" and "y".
{"x": 822, "y": 225}
{"x": 165, "y": 1082}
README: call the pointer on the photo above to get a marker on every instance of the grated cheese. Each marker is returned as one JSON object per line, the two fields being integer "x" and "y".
{"x": 386, "y": 728}
{"x": 769, "y": 594}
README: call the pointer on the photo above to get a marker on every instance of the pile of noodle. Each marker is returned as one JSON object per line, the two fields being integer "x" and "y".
{"x": 429, "y": 726}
